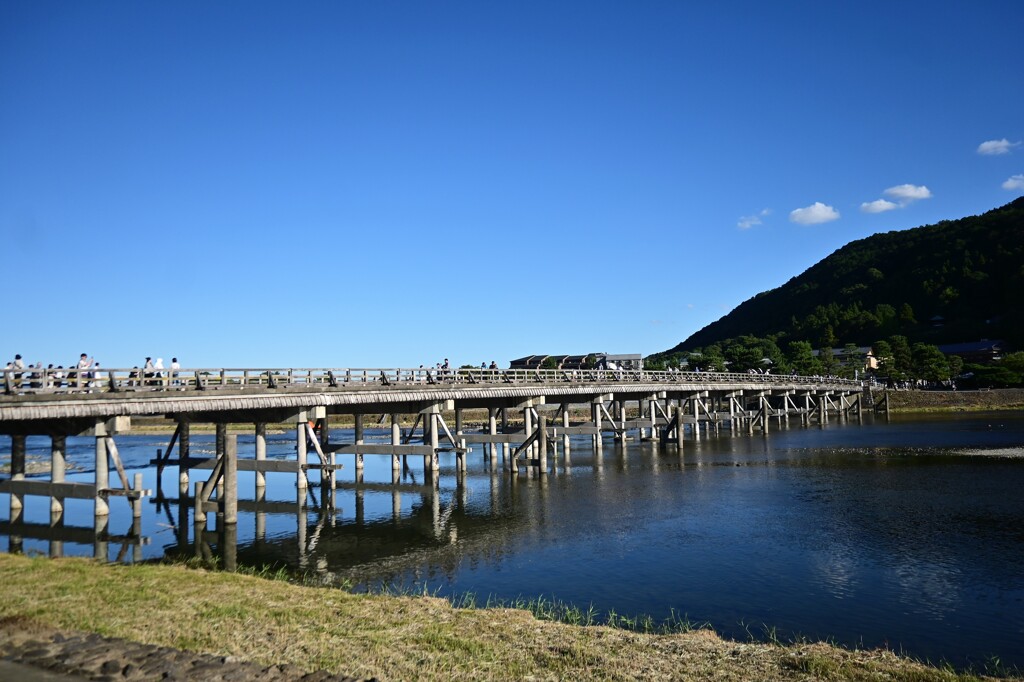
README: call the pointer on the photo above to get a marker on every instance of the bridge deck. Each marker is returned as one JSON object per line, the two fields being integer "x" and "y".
{"x": 41, "y": 395}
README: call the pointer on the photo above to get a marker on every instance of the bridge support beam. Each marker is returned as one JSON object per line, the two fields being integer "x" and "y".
{"x": 17, "y": 474}
{"x": 58, "y": 467}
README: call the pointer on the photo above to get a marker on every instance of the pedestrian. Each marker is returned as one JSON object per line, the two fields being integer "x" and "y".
{"x": 18, "y": 364}
{"x": 84, "y": 363}
{"x": 147, "y": 371}
{"x": 174, "y": 371}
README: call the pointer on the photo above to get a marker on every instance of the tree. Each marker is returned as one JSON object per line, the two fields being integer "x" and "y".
{"x": 851, "y": 363}
{"x": 828, "y": 337}
{"x": 907, "y": 315}
{"x": 902, "y": 362}
{"x": 956, "y": 365}
{"x": 1014, "y": 362}
{"x": 883, "y": 354}
{"x": 929, "y": 363}
{"x": 829, "y": 366}
{"x": 802, "y": 360}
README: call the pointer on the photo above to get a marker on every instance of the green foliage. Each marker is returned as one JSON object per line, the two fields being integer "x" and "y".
{"x": 802, "y": 360}
{"x": 549, "y": 363}
{"x": 967, "y": 272}
{"x": 929, "y": 363}
{"x": 1007, "y": 372}
{"x": 902, "y": 362}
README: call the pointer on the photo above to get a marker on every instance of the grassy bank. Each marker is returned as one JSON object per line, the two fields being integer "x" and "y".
{"x": 956, "y": 401}
{"x": 397, "y": 638}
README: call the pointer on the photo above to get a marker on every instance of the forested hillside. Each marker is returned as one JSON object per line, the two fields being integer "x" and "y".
{"x": 959, "y": 280}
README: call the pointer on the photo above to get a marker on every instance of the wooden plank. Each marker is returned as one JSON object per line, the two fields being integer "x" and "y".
{"x": 116, "y": 457}
{"x": 73, "y": 534}
{"x": 588, "y": 430}
{"x": 77, "y": 491}
{"x": 636, "y": 424}
{"x": 495, "y": 438}
{"x": 379, "y": 449}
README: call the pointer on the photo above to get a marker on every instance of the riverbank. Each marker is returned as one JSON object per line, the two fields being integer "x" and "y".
{"x": 956, "y": 401}
{"x": 274, "y": 623}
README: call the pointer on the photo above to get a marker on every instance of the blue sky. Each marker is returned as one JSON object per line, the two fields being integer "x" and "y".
{"x": 369, "y": 184}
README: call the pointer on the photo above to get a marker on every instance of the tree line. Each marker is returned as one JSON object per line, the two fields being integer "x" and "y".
{"x": 899, "y": 360}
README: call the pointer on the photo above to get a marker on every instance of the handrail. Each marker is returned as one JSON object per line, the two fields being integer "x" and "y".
{"x": 32, "y": 380}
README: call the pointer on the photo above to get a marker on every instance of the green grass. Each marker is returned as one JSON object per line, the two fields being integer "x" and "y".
{"x": 266, "y": 616}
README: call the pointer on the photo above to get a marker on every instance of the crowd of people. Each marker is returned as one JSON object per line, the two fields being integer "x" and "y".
{"x": 83, "y": 374}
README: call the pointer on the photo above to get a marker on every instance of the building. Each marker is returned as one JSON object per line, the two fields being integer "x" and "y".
{"x": 600, "y": 361}
{"x": 862, "y": 358}
{"x": 979, "y": 352}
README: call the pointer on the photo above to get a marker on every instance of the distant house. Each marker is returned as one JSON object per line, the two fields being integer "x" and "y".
{"x": 863, "y": 358}
{"x": 601, "y": 361}
{"x": 981, "y": 352}
{"x": 621, "y": 361}
{"x": 528, "y": 362}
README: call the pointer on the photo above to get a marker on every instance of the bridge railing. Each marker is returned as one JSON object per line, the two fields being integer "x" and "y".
{"x": 70, "y": 381}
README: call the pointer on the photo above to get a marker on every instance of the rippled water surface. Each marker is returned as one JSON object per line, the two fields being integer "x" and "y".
{"x": 908, "y": 534}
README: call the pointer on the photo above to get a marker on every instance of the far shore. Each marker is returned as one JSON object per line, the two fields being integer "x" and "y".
{"x": 956, "y": 401}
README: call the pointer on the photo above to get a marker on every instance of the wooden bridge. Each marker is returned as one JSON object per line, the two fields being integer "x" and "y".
{"x": 529, "y": 413}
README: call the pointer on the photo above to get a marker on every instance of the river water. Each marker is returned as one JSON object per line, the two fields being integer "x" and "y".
{"x": 907, "y": 534}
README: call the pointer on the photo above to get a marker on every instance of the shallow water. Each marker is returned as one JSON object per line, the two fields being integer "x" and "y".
{"x": 907, "y": 534}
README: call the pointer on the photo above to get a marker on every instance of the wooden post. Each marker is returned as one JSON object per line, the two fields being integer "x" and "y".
{"x": 17, "y": 474}
{"x": 101, "y": 550}
{"x": 56, "y": 545}
{"x": 565, "y": 424}
{"x": 58, "y": 467}
{"x": 184, "y": 452}
{"x": 220, "y": 444}
{"x": 359, "y": 441}
{"x": 261, "y": 453}
{"x": 527, "y": 430}
{"x": 137, "y": 502}
{"x": 695, "y": 404}
{"x": 680, "y": 432}
{"x": 102, "y": 471}
{"x": 396, "y": 439}
{"x": 620, "y": 408}
{"x": 504, "y": 429}
{"x": 542, "y": 449}
{"x": 198, "y": 513}
{"x": 229, "y": 500}
{"x": 300, "y": 451}
{"x": 433, "y": 441}
{"x": 492, "y": 429}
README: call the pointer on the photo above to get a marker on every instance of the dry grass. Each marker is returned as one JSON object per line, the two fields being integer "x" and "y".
{"x": 396, "y": 638}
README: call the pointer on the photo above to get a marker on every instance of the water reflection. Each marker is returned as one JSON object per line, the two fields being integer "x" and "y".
{"x": 863, "y": 533}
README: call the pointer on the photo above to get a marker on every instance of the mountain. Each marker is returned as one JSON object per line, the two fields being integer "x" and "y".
{"x": 959, "y": 280}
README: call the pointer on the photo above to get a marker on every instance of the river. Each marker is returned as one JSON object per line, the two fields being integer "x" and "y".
{"x": 907, "y": 534}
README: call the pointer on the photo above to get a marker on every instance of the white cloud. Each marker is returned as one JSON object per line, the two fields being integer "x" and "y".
{"x": 748, "y": 221}
{"x": 878, "y": 206}
{"x": 1015, "y": 183}
{"x": 996, "y": 147}
{"x": 814, "y": 214}
{"x": 907, "y": 193}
